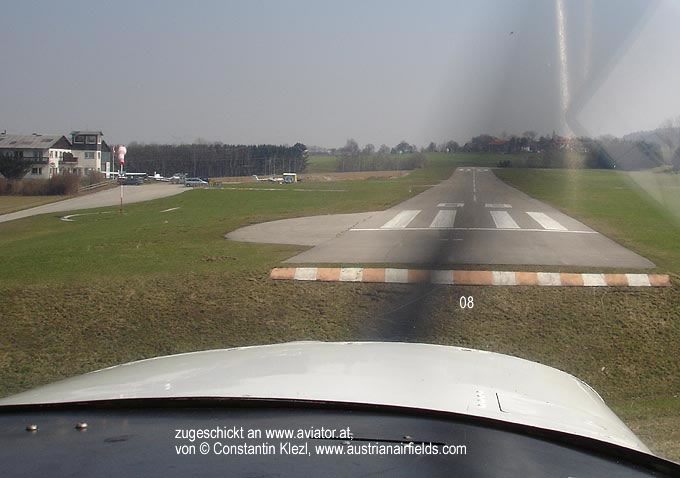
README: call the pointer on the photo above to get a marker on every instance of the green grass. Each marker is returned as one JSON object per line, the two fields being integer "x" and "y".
{"x": 17, "y": 203}
{"x": 143, "y": 240}
{"x": 639, "y": 210}
{"x": 322, "y": 164}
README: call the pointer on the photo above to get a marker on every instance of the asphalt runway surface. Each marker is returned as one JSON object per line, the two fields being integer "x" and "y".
{"x": 470, "y": 218}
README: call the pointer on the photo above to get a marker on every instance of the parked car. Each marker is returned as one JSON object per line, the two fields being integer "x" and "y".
{"x": 193, "y": 182}
{"x": 132, "y": 181}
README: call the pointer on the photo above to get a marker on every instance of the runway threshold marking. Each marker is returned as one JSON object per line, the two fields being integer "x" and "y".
{"x": 403, "y": 229}
{"x": 451, "y": 204}
{"x": 444, "y": 219}
{"x": 503, "y": 220}
{"x": 467, "y": 277}
{"x": 498, "y": 206}
{"x": 546, "y": 221}
{"x": 401, "y": 220}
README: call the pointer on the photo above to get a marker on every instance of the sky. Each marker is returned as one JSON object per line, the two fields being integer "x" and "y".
{"x": 321, "y": 72}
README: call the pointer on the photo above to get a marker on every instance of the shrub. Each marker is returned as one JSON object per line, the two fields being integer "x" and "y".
{"x": 59, "y": 185}
{"x": 63, "y": 184}
{"x": 93, "y": 177}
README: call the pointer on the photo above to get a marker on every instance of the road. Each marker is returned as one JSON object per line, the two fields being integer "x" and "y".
{"x": 471, "y": 218}
{"x": 108, "y": 197}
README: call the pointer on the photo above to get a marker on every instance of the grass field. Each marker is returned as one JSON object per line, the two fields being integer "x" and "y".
{"x": 17, "y": 203}
{"x": 106, "y": 289}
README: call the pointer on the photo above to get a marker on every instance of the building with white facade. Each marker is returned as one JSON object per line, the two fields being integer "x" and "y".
{"x": 44, "y": 151}
{"x": 54, "y": 154}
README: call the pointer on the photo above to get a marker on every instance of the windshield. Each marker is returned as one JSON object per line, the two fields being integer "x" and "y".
{"x": 500, "y": 176}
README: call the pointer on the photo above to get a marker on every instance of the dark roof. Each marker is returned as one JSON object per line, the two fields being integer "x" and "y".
{"x": 29, "y": 141}
{"x": 87, "y": 132}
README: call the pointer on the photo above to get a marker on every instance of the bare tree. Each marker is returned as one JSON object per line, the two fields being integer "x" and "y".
{"x": 351, "y": 147}
{"x": 368, "y": 150}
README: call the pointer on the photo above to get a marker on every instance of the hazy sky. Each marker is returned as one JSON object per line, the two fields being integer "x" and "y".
{"x": 321, "y": 72}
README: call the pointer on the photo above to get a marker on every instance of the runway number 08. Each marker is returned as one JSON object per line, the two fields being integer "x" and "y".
{"x": 466, "y": 302}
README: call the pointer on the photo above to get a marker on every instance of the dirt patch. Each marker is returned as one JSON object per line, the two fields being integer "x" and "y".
{"x": 353, "y": 175}
{"x": 324, "y": 176}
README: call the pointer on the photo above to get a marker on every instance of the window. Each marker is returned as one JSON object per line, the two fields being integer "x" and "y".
{"x": 99, "y": 155}
{"x": 91, "y": 139}
{"x": 79, "y": 139}
{"x": 34, "y": 171}
{"x": 89, "y": 154}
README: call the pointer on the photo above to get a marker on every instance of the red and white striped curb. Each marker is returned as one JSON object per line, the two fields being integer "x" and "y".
{"x": 412, "y": 276}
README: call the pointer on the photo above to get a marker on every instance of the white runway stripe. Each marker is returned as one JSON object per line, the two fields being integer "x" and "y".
{"x": 548, "y": 278}
{"x": 305, "y": 273}
{"x": 546, "y": 221}
{"x": 594, "y": 280}
{"x": 503, "y": 278}
{"x": 451, "y": 204}
{"x": 498, "y": 206}
{"x": 351, "y": 274}
{"x": 401, "y": 220}
{"x": 503, "y": 220}
{"x": 444, "y": 218}
{"x": 638, "y": 280}
{"x": 399, "y": 276}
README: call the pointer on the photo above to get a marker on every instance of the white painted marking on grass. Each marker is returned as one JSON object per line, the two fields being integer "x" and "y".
{"x": 638, "y": 280}
{"x": 305, "y": 273}
{"x": 401, "y": 220}
{"x": 399, "y": 276}
{"x": 498, "y": 206}
{"x": 594, "y": 280}
{"x": 444, "y": 219}
{"x": 351, "y": 274}
{"x": 68, "y": 218}
{"x": 548, "y": 278}
{"x": 503, "y": 220}
{"x": 546, "y": 221}
{"x": 451, "y": 204}
{"x": 441, "y": 277}
{"x": 171, "y": 209}
{"x": 503, "y": 278}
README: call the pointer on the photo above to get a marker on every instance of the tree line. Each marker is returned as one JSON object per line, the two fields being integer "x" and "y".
{"x": 215, "y": 160}
{"x": 544, "y": 151}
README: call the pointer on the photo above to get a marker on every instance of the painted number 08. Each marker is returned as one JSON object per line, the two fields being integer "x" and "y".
{"x": 466, "y": 302}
